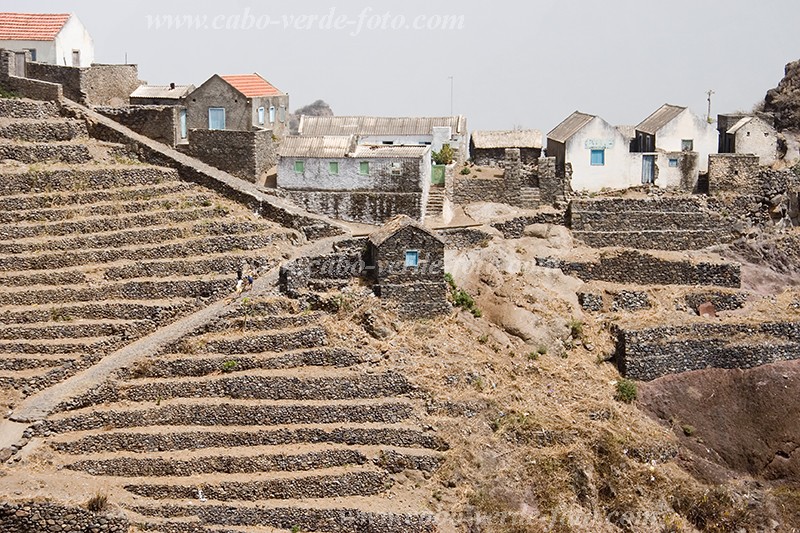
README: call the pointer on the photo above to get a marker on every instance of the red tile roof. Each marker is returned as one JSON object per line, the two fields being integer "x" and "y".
{"x": 31, "y": 26}
{"x": 252, "y": 85}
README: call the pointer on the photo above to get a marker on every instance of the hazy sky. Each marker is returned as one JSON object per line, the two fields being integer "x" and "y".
{"x": 518, "y": 63}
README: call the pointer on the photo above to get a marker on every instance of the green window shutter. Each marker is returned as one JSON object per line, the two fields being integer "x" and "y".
{"x": 333, "y": 167}
{"x": 299, "y": 166}
{"x": 363, "y": 168}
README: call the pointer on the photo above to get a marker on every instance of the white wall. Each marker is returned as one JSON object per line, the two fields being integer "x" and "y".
{"x": 316, "y": 175}
{"x": 758, "y": 138}
{"x": 45, "y": 50}
{"x": 73, "y": 36}
{"x": 616, "y": 173}
{"x": 687, "y": 125}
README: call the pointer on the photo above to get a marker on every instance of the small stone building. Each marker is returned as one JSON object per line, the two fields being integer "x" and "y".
{"x": 406, "y": 262}
{"x": 241, "y": 102}
{"x": 488, "y": 148}
{"x": 748, "y": 134}
{"x": 161, "y": 94}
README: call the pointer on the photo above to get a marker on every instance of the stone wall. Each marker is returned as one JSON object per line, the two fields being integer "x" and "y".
{"x": 650, "y": 353}
{"x": 514, "y": 228}
{"x": 245, "y": 154}
{"x": 416, "y": 300}
{"x": 462, "y": 238}
{"x": 470, "y": 189}
{"x": 495, "y": 157}
{"x": 105, "y": 85}
{"x": 159, "y": 123}
{"x": 733, "y": 173}
{"x": 37, "y": 90}
{"x": 631, "y": 266}
{"x": 364, "y": 207}
{"x": 29, "y": 517}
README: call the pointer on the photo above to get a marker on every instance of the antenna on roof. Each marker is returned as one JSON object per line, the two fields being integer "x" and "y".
{"x": 708, "y": 116}
{"x": 451, "y": 95}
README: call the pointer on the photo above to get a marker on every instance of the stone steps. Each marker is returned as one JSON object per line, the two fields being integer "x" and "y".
{"x": 232, "y": 413}
{"x": 37, "y": 130}
{"x": 22, "y": 108}
{"x": 61, "y": 152}
{"x": 530, "y": 197}
{"x": 152, "y": 440}
{"x": 435, "y": 204}
{"x": 180, "y": 365}
{"x": 81, "y": 179}
{"x": 114, "y": 196}
{"x": 671, "y": 240}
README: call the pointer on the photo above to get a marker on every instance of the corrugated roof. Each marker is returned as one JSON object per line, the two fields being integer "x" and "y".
{"x": 660, "y": 117}
{"x": 251, "y": 85}
{"x": 507, "y": 139}
{"x": 330, "y": 146}
{"x": 742, "y": 121}
{"x": 365, "y": 151}
{"x": 162, "y": 91}
{"x": 363, "y": 125}
{"x": 31, "y": 26}
{"x": 570, "y": 126}
{"x": 394, "y": 225}
{"x": 629, "y": 132}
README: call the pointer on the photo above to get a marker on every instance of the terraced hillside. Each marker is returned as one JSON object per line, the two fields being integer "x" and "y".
{"x": 97, "y": 249}
{"x": 250, "y": 421}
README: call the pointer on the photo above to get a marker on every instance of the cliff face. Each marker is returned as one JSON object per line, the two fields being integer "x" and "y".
{"x": 784, "y": 100}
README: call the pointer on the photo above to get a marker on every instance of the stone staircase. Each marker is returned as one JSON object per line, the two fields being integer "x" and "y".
{"x": 530, "y": 197}
{"x": 435, "y": 205}
{"x": 97, "y": 249}
{"x": 252, "y": 422}
{"x": 671, "y": 223}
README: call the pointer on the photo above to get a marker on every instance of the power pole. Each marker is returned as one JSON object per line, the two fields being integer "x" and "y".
{"x": 708, "y": 117}
{"x": 451, "y": 95}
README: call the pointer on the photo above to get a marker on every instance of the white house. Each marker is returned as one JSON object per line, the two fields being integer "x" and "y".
{"x": 57, "y": 39}
{"x": 748, "y": 134}
{"x": 597, "y": 152}
{"x": 407, "y": 131}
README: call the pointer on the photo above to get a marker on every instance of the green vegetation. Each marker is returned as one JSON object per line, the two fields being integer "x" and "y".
{"x": 229, "y": 365}
{"x": 626, "y": 390}
{"x": 461, "y": 298}
{"x": 576, "y": 329}
{"x": 445, "y": 156}
{"x": 465, "y": 171}
{"x": 5, "y": 93}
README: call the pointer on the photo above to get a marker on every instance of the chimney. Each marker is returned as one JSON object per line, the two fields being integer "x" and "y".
{"x": 171, "y": 85}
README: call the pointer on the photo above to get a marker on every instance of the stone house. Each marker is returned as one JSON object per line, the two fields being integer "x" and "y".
{"x": 406, "y": 262}
{"x": 674, "y": 144}
{"x": 336, "y": 176}
{"x": 52, "y": 38}
{"x": 407, "y": 131}
{"x": 748, "y": 134}
{"x": 488, "y": 148}
{"x": 161, "y": 94}
{"x": 241, "y": 103}
{"x": 597, "y": 153}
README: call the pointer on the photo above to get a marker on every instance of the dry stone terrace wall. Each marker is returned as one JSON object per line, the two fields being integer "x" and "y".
{"x": 104, "y": 85}
{"x": 245, "y": 154}
{"x": 35, "y": 517}
{"x": 631, "y": 266}
{"x": 367, "y": 207}
{"x": 33, "y": 130}
{"x": 159, "y": 123}
{"x": 649, "y": 353}
{"x": 514, "y": 228}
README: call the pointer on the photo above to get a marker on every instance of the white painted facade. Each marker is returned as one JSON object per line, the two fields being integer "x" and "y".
{"x": 757, "y": 137}
{"x": 73, "y": 37}
{"x": 684, "y": 127}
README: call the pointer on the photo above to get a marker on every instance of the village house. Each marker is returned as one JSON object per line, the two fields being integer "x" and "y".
{"x": 488, "y": 148}
{"x": 406, "y": 263}
{"x": 240, "y": 103}
{"x": 428, "y": 131}
{"x": 335, "y": 175}
{"x": 161, "y": 94}
{"x": 597, "y": 153}
{"x": 53, "y": 38}
{"x": 748, "y": 134}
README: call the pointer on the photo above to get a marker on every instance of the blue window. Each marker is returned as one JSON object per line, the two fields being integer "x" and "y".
{"x": 260, "y": 115}
{"x": 184, "y": 131}
{"x": 598, "y": 158}
{"x": 673, "y": 163}
{"x": 216, "y": 118}
{"x": 412, "y": 258}
{"x": 271, "y": 114}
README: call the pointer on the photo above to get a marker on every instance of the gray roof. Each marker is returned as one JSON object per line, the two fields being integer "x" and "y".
{"x": 507, "y": 139}
{"x": 363, "y": 125}
{"x": 742, "y": 121}
{"x": 660, "y": 117}
{"x": 340, "y": 146}
{"x": 329, "y": 146}
{"x": 570, "y": 126}
{"x": 394, "y": 225}
{"x": 629, "y": 132}
{"x": 162, "y": 91}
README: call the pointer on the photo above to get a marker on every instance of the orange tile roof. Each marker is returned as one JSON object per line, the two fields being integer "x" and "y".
{"x": 31, "y": 26}
{"x": 252, "y": 85}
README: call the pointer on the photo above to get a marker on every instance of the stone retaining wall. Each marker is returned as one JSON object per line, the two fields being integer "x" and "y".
{"x": 631, "y": 266}
{"x": 34, "y": 517}
{"x": 160, "y": 123}
{"x": 359, "y": 206}
{"x": 245, "y": 154}
{"x": 514, "y": 228}
{"x": 650, "y": 353}
{"x": 44, "y": 131}
{"x": 42, "y": 153}
{"x": 464, "y": 238}
{"x": 102, "y": 85}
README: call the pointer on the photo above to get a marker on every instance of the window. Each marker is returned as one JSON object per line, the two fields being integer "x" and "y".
{"x": 363, "y": 168}
{"x": 299, "y": 166}
{"x": 216, "y": 118}
{"x": 260, "y": 115}
{"x": 673, "y": 162}
{"x": 182, "y": 117}
{"x": 388, "y": 142}
{"x": 333, "y": 168}
{"x": 271, "y": 114}
{"x": 282, "y": 113}
{"x": 396, "y": 169}
{"x": 687, "y": 145}
{"x": 33, "y": 53}
{"x": 412, "y": 258}
{"x": 598, "y": 158}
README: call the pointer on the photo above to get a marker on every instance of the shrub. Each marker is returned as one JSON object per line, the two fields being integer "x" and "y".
{"x": 465, "y": 171}
{"x": 448, "y": 277}
{"x": 576, "y": 329}
{"x": 444, "y": 156}
{"x": 229, "y": 366}
{"x": 626, "y": 390}
{"x": 97, "y": 503}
